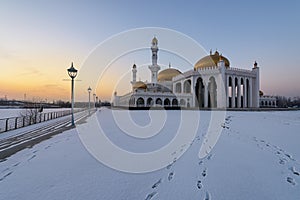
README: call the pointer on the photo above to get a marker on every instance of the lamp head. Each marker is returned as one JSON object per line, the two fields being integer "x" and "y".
{"x": 72, "y": 71}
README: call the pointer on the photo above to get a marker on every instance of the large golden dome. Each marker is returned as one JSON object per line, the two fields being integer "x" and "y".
{"x": 211, "y": 61}
{"x": 139, "y": 85}
{"x": 167, "y": 74}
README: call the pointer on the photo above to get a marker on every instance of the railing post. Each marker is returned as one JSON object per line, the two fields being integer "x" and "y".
{"x": 6, "y": 125}
{"x": 16, "y": 123}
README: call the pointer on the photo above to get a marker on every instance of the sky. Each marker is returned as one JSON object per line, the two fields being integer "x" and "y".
{"x": 39, "y": 40}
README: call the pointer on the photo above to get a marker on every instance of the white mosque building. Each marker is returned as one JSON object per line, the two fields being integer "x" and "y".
{"x": 212, "y": 83}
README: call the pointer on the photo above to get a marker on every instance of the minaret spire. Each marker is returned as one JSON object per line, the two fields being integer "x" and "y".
{"x": 154, "y": 67}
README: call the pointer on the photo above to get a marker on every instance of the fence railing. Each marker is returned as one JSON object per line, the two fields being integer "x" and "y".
{"x": 12, "y": 123}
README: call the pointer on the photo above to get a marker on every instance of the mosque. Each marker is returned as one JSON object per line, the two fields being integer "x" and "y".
{"x": 212, "y": 83}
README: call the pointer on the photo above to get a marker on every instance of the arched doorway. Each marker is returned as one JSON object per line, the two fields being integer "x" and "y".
{"x": 140, "y": 102}
{"x": 212, "y": 92}
{"x": 174, "y": 102}
{"x": 166, "y": 102}
{"x": 247, "y": 104}
{"x": 199, "y": 92}
{"x": 149, "y": 101}
{"x": 158, "y": 101}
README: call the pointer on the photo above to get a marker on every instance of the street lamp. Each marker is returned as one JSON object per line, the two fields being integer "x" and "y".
{"x": 94, "y": 95}
{"x": 89, "y": 90}
{"x": 72, "y": 73}
{"x": 96, "y": 102}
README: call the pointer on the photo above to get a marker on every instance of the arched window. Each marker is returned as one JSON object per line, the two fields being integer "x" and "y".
{"x": 178, "y": 88}
{"x": 187, "y": 86}
{"x": 182, "y": 102}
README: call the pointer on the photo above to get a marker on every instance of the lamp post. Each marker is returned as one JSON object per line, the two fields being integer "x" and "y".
{"x": 96, "y": 102}
{"x": 72, "y": 73}
{"x": 89, "y": 90}
{"x": 94, "y": 95}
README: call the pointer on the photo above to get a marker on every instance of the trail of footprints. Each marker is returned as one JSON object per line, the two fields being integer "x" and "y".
{"x": 9, "y": 170}
{"x": 284, "y": 158}
{"x": 171, "y": 174}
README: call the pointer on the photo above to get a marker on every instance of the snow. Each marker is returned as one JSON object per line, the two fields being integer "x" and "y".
{"x": 256, "y": 157}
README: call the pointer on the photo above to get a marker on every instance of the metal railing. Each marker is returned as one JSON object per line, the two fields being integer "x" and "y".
{"x": 12, "y": 123}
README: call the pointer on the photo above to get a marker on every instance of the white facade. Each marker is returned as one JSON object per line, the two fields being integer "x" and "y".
{"x": 211, "y": 84}
{"x": 268, "y": 102}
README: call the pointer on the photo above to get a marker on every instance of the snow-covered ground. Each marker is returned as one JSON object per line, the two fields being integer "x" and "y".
{"x": 256, "y": 157}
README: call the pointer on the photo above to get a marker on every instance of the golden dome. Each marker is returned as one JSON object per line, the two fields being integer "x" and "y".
{"x": 211, "y": 61}
{"x": 154, "y": 40}
{"x": 139, "y": 85}
{"x": 261, "y": 93}
{"x": 167, "y": 74}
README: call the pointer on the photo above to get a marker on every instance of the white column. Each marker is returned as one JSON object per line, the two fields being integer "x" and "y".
{"x": 244, "y": 92}
{"x": 239, "y": 93}
{"x": 227, "y": 92}
{"x": 233, "y": 92}
{"x": 205, "y": 95}
{"x": 221, "y": 92}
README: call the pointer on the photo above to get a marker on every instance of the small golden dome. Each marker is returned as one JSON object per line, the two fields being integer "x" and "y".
{"x": 261, "y": 93}
{"x": 154, "y": 40}
{"x": 139, "y": 85}
{"x": 167, "y": 74}
{"x": 211, "y": 61}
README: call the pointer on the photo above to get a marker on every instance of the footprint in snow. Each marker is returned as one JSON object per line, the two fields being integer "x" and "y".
{"x": 209, "y": 156}
{"x": 295, "y": 172}
{"x": 289, "y": 156}
{"x": 204, "y": 173}
{"x": 169, "y": 166}
{"x": 170, "y": 176}
{"x": 31, "y": 157}
{"x": 282, "y": 161}
{"x": 200, "y": 162}
{"x": 207, "y": 196}
{"x": 47, "y": 147}
{"x": 199, "y": 184}
{"x": 291, "y": 180}
{"x": 151, "y": 195}
{"x": 155, "y": 185}
{"x": 6, "y": 175}
{"x": 16, "y": 164}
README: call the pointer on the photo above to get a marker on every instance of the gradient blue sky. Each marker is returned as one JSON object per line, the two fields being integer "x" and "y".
{"x": 39, "y": 39}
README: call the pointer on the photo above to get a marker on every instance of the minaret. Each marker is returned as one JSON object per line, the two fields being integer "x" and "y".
{"x": 133, "y": 74}
{"x": 256, "y": 86}
{"x": 154, "y": 67}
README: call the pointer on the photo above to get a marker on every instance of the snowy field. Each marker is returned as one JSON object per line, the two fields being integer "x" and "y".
{"x": 12, "y": 112}
{"x": 256, "y": 157}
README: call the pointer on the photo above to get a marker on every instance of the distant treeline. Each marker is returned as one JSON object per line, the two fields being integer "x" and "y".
{"x": 55, "y": 104}
{"x": 287, "y": 102}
